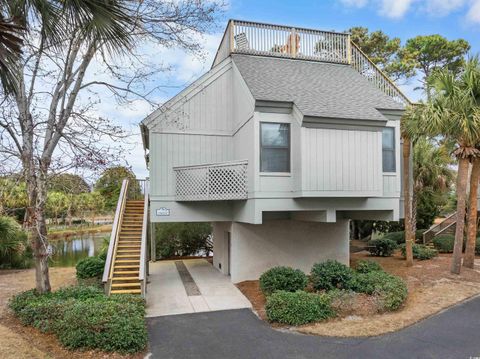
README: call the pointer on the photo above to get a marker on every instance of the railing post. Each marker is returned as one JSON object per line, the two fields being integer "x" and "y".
{"x": 232, "y": 36}
{"x": 349, "y": 49}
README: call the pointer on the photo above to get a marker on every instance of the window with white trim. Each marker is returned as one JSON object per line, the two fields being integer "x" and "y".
{"x": 388, "y": 149}
{"x": 274, "y": 147}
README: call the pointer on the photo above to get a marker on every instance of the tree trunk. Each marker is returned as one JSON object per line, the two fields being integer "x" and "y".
{"x": 38, "y": 232}
{"x": 469, "y": 258}
{"x": 414, "y": 210}
{"x": 409, "y": 235}
{"x": 462, "y": 179}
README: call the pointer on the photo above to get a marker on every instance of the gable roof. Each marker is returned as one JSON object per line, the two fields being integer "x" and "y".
{"x": 317, "y": 89}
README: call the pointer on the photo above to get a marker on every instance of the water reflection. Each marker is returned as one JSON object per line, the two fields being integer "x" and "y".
{"x": 69, "y": 250}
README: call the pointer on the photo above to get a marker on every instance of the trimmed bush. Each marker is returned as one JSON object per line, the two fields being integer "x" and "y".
{"x": 282, "y": 278}
{"x": 331, "y": 275}
{"x": 91, "y": 267}
{"x": 397, "y": 237}
{"x": 367, "y": 266}
{"x": 382, "y": 247}
{"x": 420, "y": 252}
{"x": 85, "y": 318}
{"x": 296, "y": 308}
{"x": 444, "y": 243}
{"x": 392, "y": 290}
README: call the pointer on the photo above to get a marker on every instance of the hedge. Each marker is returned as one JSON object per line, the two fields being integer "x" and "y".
{"x": 444, "y": 243}
{"x": 392, "y": 290}
{"x": 399, "y": 237}
{"x": 420, "y": 252}
{"x": 296, "y": 308}
{"x": 282, "y": 278}
{"x": 367, "y": 266}
{"x": 90, "y": 267}
{"x": 85, "y": 318}
{"x": 331, "y": 275}
{"x": 382, "y": 247}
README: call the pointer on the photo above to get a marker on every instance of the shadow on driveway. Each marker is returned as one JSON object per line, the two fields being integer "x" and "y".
{"x": 454, "y": 333}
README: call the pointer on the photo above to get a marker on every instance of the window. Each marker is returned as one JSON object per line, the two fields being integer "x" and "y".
{"x": 388, "y": 149}
{"x": 274, "y": 147}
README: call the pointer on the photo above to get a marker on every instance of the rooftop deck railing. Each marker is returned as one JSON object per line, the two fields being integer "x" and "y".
{"x": 211, "y": 182}
{"x": 307, "y": 44}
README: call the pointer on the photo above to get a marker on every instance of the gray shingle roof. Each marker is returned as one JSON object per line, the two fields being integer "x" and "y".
{"x": 317, "y": 89}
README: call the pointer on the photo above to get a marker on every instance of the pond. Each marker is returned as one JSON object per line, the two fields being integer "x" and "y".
{"x": 67, "y": 251}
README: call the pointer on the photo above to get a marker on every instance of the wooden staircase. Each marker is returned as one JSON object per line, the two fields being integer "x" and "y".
{"x": 126, "y": 262}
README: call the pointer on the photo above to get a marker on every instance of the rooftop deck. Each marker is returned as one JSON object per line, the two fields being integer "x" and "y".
{"x": 261, "y": 39}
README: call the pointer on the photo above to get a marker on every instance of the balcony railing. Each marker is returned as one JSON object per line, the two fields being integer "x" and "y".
{"x": 325, "y": 46}
{"x": 211, "y": 182}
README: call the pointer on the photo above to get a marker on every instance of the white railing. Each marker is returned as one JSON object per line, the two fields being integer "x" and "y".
{"x": 112, "y": 246}
{"x": 142, "y": 275}
{"x": 282, "y": 41}
{"x": 361, "y": 63}
{"x": 211, "y": 182}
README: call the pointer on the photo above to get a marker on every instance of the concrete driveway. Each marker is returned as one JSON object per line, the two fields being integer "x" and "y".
{"x": 190, "y": 286}
{"x": 233, "y": 334}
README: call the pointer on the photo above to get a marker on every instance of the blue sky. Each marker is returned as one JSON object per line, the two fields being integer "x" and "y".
{"x": 398, "y": 18}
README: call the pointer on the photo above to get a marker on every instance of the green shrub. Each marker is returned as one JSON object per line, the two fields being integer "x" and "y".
{"x": 331, "y": 275}
{"x": 382, "y": 247}
{"x": 367, "y": 266}
{"x": 296, "y": 308}
{"x": 91, "y": 267}
{"x": 85, "y": 318}
{"x": 397, "y": 237}
{"x": 15, "y": 250}
{"x": 444, "y": 243}
{"x": 477, "y": 246}
{"x": 283, "y": 278}
{"x": 183, "y": 239}
{"x": 420, "y": 252}
{"x": 391, "y": 289}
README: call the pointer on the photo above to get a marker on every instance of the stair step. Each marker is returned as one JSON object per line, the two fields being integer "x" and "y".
{"x": 121, "y": 285}
{"x": 123, "y": 278}
{"x": 126, "y": 291}
{"x": 126, "y": 272}
{"x": 126, "y": 266}
{"x": 131, "y": 256}
{"x": 126, "y": 261}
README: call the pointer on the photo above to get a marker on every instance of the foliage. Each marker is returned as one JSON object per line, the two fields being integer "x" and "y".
{"x": 15, "y": 251}
{"x": 85, "y": 318}
{"x": 392, "y": 290}
{"x": 110, "y": 183}
{"x": 282, "y": 278}
{"x": 13, "y": 197}
{"x": 420, "y": 252}
{"x": 296, "y": 308}
{"x": 444, "y": 243}
{"x": 367, "y": 266}
{"x": 330, "y": 275}
{"x": 182, "y": 239}
{"x": 68, "y": 183}
{"x": 382, "y": 51}
{"x": 382, "y": 247}
{"x": 90, "y": 267}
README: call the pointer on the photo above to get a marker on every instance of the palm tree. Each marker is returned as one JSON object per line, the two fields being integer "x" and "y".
{"x": 107, "y": 21}
{"x": 431, "y": 171}
{"x": 454, "y": 114}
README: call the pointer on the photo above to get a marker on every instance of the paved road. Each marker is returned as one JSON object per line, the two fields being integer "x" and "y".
{"x": 233, "y": 334}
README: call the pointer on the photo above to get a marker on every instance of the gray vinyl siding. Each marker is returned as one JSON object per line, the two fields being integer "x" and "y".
{"x": 347, "y": 161}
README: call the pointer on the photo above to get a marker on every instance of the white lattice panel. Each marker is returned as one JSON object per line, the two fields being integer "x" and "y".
{"x": 215, "y": 182}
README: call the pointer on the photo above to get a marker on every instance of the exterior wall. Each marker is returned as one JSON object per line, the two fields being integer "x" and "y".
{"x": 392, "y": 181}
{"x": 220, "y": 246}
{"x": 256, "y": 248}
{"x": 341, "y": 162}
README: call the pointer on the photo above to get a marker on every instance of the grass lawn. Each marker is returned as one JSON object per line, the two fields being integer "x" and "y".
{"x": 431, "y": 289}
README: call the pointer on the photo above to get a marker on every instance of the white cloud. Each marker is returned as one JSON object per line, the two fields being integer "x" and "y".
{"x": 394, "y": 9}
{"x": 442, "y": 7}
{"x": 397, "y": 9}
{"x": 354, "y": 3}
{"x": 473, "y": 14}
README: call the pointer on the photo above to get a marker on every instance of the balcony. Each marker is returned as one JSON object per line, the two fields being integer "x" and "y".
{"x": 261, "y": 39}
{"x": 211, "y": 182}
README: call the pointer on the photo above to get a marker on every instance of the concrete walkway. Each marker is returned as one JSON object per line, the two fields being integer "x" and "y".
{"x": 167, "y": 294}
{"x": 240, "y": 334}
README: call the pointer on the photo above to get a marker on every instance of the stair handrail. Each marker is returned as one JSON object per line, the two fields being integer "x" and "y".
{"x": 432, "y": 229}
{"x": 112, "y": 245}
{"x": 143, "y": 246}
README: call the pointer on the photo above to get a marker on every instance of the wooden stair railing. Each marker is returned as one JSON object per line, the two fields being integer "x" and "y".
{"x": 125, "y": 267}
{"x": 447, "y": 224}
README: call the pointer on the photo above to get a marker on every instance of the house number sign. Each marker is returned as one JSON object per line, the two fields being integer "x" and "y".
{"x": 163, "y": 211}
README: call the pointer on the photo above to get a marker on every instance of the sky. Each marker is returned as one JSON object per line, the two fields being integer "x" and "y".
{"x": 405, "y": 19}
